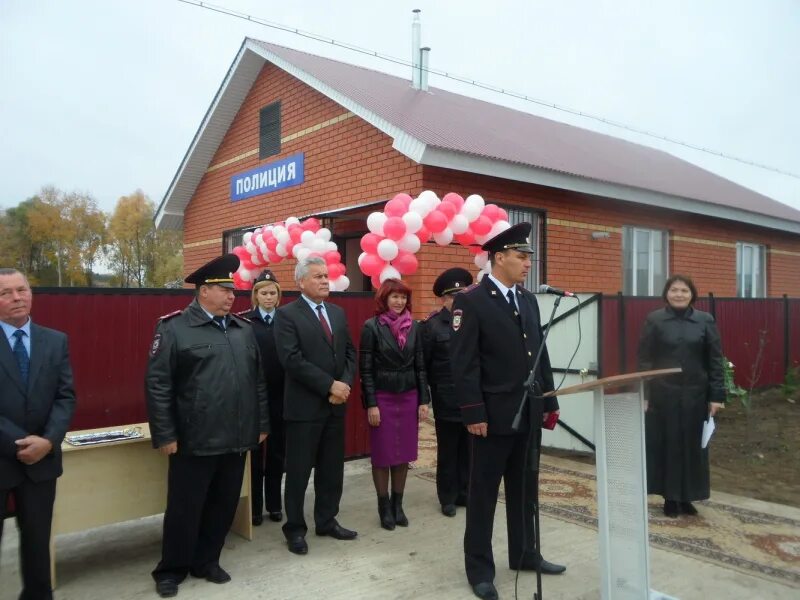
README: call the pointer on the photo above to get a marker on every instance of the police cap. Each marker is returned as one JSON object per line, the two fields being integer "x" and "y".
{"x": 266, "y": 275}
{"x": 513, "y": 238}
{"x": 216, "y": 272}
{"x": 452, "y": 281}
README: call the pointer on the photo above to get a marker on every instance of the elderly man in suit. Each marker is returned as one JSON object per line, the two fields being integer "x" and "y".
{"x": 317, "y": 353}
{"x": 38, "y": 400}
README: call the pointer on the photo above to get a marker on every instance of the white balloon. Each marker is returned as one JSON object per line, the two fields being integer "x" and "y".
{"x": 361, "y": 257}
{"x": 280, "y": 250}
{"x": 250, "y": 247}
{"x": 499, "y": 227}
{"x": 473, "y": 206}
{"x": 295, "y": 249}
{"x": 263, "y": 247}
{"x": 319, "y": 245}
{"x": 331, "y": 247}
{"x": 301, "y": 252}
{"x": 389, "y": 272}
{"x": 429, "y": 196}
{"x": 482, "y": 239}
{"x": 459, "y": 224}
{"x": 324, "y": 233}
{"x": 375, "y": 222}
{"x": 307, "y": 237}
{"x": 481, "y": 275}
{"x": 283, "y": 237}
{"x": 387, "y": 249}
{"x": 292, "y": 221}
{"x": 481, "y": 260}
{"x": 409, "y": 243}
{"x": 443, "y": 238}
{"x": 342, "y": 283}
{"x": 244, "y": 274}
{"x": 332, "y": 286}
{"x": 419, "y": 206}
{"x": 413, "y": 222}
{"x": 432, "y": 202}
{"x": 246, "y": 237}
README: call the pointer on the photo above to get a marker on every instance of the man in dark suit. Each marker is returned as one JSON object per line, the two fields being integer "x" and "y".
{"x": 496, "y": 336}
{"x": 38, "y": 400}
{"x": 316, "y": 350}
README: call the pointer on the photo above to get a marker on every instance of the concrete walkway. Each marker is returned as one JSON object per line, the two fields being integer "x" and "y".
{"x": 422, "y": 561}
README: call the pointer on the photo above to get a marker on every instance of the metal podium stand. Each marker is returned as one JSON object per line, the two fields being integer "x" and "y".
{"x": 622, "y": 484}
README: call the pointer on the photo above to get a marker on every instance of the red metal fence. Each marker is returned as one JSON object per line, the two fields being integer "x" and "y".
{"x": 761, "y": 337}
{"x": 110, "y": 331}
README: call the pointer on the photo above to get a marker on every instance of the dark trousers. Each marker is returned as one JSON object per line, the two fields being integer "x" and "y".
{"x": 497, "y": 457}
{"x": 34, "y": 508}
{"x": 318, "y": 445}
{"x": 266, "y": 469}
{"x": 452, "y": 461}
{"x": 202, "y": 496}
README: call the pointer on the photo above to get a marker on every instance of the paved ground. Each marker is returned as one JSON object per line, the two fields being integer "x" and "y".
{"x": 423, "y": 561}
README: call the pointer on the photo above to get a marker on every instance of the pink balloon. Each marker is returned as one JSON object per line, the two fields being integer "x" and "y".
{"x": 481, "y": 226}
{"x": 394, "y": 228}
{"x": 372, "y": 265}
{"x": 475, "y": 249}
{"x": 491, "y": 212}
{"x": 465, "y": 239}
{"x": 369, "y": 243}
{"x": 404, "y": 198}
{"x": 436, "y": 222}
{"x": 454, "y": 199}
{"x": 272, "y": 243}
{"x": 406, "y": 263}
{"x": 376, "y": 282}
{"x": 332, "y": 257}
{"x": 336, "y": 270}
{"x": 502, "y": 214}
{"x": 395, "y": 208}
{"x": 295, "y": 233}
{"x": 311, "y": 224}
{"x": 239, "y": 283}
{"x": 448, "y": 209}
{"x": 423, "y": 234}
{"x": 272, "y": 257}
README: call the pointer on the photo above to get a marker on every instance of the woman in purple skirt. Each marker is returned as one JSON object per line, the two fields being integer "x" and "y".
{"x": 395, "y": 393}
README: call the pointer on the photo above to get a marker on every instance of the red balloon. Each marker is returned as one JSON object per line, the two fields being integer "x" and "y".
{"x": 404, "y": 198}
{"x": 394, "y": 228}
{"x": 436, "y": 222}
{"x": 406, "y": 263}
{"x": 335, "y": 271}
{"x": 465, "y": 239}
{"x": 423, "y": 234}
{"x": 481, "y": 226}
{"x": 369, "y": 243}
{"x": 395, "y": 208}
{"x": 491, "y": 211}
{"x": 273, "y": 258}
{"x": 295, "y": 233}
{"x": 310, "y": 224}
{"x": 502, "y": 214}
{"x": 332, "y": 257}
{"x": 372, "y": 264}
{"x": 475, "y": 249}
{"x": 376, "y": 282}
{"x": 272, "y": 243}
{"x": 241, "y": 252}
{"x": 454, "y": 199}
{"x": 448, "y": 210}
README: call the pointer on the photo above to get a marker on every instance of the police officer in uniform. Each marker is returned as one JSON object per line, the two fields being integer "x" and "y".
{"x": 496, "y": 336}
{"x": 452, "y": 439}
{"x": 207, "y": 406}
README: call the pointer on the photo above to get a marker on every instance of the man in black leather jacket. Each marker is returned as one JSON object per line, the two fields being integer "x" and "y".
{"x": 207, "y": 406}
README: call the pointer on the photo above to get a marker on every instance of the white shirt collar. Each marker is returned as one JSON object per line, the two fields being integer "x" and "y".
{"x": 503, "y": 289}
{"x": 264, "y": 314}
{"x": 313, "y": 304}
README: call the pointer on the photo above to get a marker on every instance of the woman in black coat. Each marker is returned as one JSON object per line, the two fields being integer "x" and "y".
{"x": 266, "y": 463}
{"x": 679, "y": 335}
{"x": 394, "y": 390}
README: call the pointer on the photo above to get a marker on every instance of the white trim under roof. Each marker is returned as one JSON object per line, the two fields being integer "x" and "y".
{"x": 248, "y": 64}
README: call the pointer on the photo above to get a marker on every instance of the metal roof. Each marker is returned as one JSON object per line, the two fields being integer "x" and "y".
{"x": 441, "y": 128}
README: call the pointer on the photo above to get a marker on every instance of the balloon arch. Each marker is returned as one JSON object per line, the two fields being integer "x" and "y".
{"x": 389, "y": 249}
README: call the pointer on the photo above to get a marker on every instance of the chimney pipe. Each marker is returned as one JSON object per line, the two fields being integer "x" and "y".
{"x": 423, "y": 70}
{"x": 416, "y": 34}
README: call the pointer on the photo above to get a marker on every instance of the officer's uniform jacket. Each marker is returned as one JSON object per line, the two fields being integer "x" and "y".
{"x": 436, "y": 334}
{"x": 205, "y": 387}
{"x": 492, "y": 352}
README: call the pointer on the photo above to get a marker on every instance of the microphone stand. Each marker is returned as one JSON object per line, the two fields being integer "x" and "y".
{"x": 533, "y": 447}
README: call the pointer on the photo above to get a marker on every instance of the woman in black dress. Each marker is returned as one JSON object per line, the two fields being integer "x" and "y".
{"x": 679, "y": 335}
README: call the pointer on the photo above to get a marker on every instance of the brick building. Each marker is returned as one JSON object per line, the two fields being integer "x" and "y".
{"x": 609, "y": 215}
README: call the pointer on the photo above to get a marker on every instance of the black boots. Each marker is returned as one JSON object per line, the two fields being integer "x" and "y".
{"x": 397, "y": 506}
{"x": 385, "y": 512}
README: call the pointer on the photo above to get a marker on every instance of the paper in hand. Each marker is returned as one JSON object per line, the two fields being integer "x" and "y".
{"x": 708, "y": 431}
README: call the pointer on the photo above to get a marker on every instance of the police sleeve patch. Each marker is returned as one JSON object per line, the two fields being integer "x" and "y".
{"x": 155, "y": 345}
{"x": 457, "y": 314}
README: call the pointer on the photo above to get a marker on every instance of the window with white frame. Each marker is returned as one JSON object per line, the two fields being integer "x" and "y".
{"x": 751, "y": 270}
{"x": 520, "y": 215}
{"x": 644, "y": 258}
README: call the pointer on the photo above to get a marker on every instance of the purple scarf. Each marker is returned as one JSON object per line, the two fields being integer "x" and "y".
{"x": 399, "y": 325}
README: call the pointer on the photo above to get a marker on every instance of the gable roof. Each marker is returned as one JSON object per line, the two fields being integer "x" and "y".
{"x": 444, "y": 129}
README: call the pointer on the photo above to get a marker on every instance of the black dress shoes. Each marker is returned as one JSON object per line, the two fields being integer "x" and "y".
{"x": 212, "y": 573}
{"x": 338, "y": 532}
{"x": 485, "y": 590}
{"x": 688, "y": 508}
{"x": 276, "y": 516}
{"x": 449, "y": 510}
{"x": 258, "y": 520}
{"x": 297, "y": 545}
{"x": 547, "y": 568}
{"x": 671, "y": 508}
{"x": 167, "y": 588}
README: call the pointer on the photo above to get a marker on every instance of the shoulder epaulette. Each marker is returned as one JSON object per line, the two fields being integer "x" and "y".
{"x": 433, "y": 314}
{"x": 471, "y": 288}
{"x": 170, "y": 315}
{"x": 242, "y": 313}
{"x": 239, "y": 315}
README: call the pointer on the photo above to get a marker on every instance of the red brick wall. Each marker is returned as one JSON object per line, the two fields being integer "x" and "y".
{"x": 350, "y": 162}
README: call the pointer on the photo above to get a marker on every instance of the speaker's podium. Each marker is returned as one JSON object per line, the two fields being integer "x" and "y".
{"x": 622, "y": 483}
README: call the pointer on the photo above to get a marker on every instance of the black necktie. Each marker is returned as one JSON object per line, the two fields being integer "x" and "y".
{"x": 220, "y": 321}
{"x": 325, "y": 327}
{"x": 21, "y": 354}
{"x": 510, "y": 296}
{"x": 268, "y": 319}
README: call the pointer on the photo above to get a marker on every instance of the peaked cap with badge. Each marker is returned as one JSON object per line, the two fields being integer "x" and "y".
{"x": 218, "y": 271}
{"x": 515, "y": 237}
{"x": 266, "y": 275}
{"x": 452, "y": 281}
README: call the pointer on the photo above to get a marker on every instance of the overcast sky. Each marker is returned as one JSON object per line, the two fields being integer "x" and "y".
{"x": 104, "y": 96}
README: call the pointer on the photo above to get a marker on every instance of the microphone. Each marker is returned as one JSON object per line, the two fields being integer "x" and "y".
{"x": 546, "y": 289}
